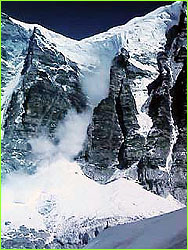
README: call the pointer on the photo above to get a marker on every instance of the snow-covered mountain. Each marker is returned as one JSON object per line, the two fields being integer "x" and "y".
{"x": 85, "y": 122}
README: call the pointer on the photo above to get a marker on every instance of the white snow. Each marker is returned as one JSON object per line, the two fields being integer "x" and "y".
{"x": 7, "y": 91}
{"x": 167, "y": 231}
{"x": 173, "y": 140}
{"x": 140, "y": 93}
{"x": 142, "y": 66}
{"x": 62, "y": 182}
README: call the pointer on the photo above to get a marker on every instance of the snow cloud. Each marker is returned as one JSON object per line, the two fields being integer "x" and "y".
{"x": 95, "y": 83}
{"x": 70, "y": 136}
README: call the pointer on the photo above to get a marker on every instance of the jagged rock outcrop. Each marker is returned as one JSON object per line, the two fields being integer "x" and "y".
{"x": 113, "y": 138}
{"x": 164, "y": 168}
{"x": 47, "y": 86}
{"x": 178, "y": 171}
{"x": 14, "y": 44}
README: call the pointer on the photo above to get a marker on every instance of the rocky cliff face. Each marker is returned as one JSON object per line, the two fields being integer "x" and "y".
{"x": 137, "y": 129}
{"x": 178, "y": 171}
{"x": 46, "y": 86}
{"x": 114, "y": 140}
{"x": 165, "y": 139}
{"x": 113, "y": 137}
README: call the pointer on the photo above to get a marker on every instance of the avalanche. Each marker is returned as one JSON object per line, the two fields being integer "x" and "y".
{"x": 59, "y": 190}
{"x": 62, "y": 183}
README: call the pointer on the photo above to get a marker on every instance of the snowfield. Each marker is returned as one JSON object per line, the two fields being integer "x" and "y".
{"x": 61, "y": 188}
{"x": 167, "y": 231}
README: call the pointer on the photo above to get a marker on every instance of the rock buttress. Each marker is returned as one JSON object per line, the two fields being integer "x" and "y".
{"x": 163, "y": 167}
{"x": 48, "y": 86}
{"x": 113, "y": 140}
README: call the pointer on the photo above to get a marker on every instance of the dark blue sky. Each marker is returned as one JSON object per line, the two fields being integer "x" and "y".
{"x": 78, "y": 19}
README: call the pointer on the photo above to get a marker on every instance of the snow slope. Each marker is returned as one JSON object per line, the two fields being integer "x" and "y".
{"x": 7, "y": 91}
{"x": 150, "y": 29}
{"x": 167, "y": 231}
{"x": 59, "y": 187}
